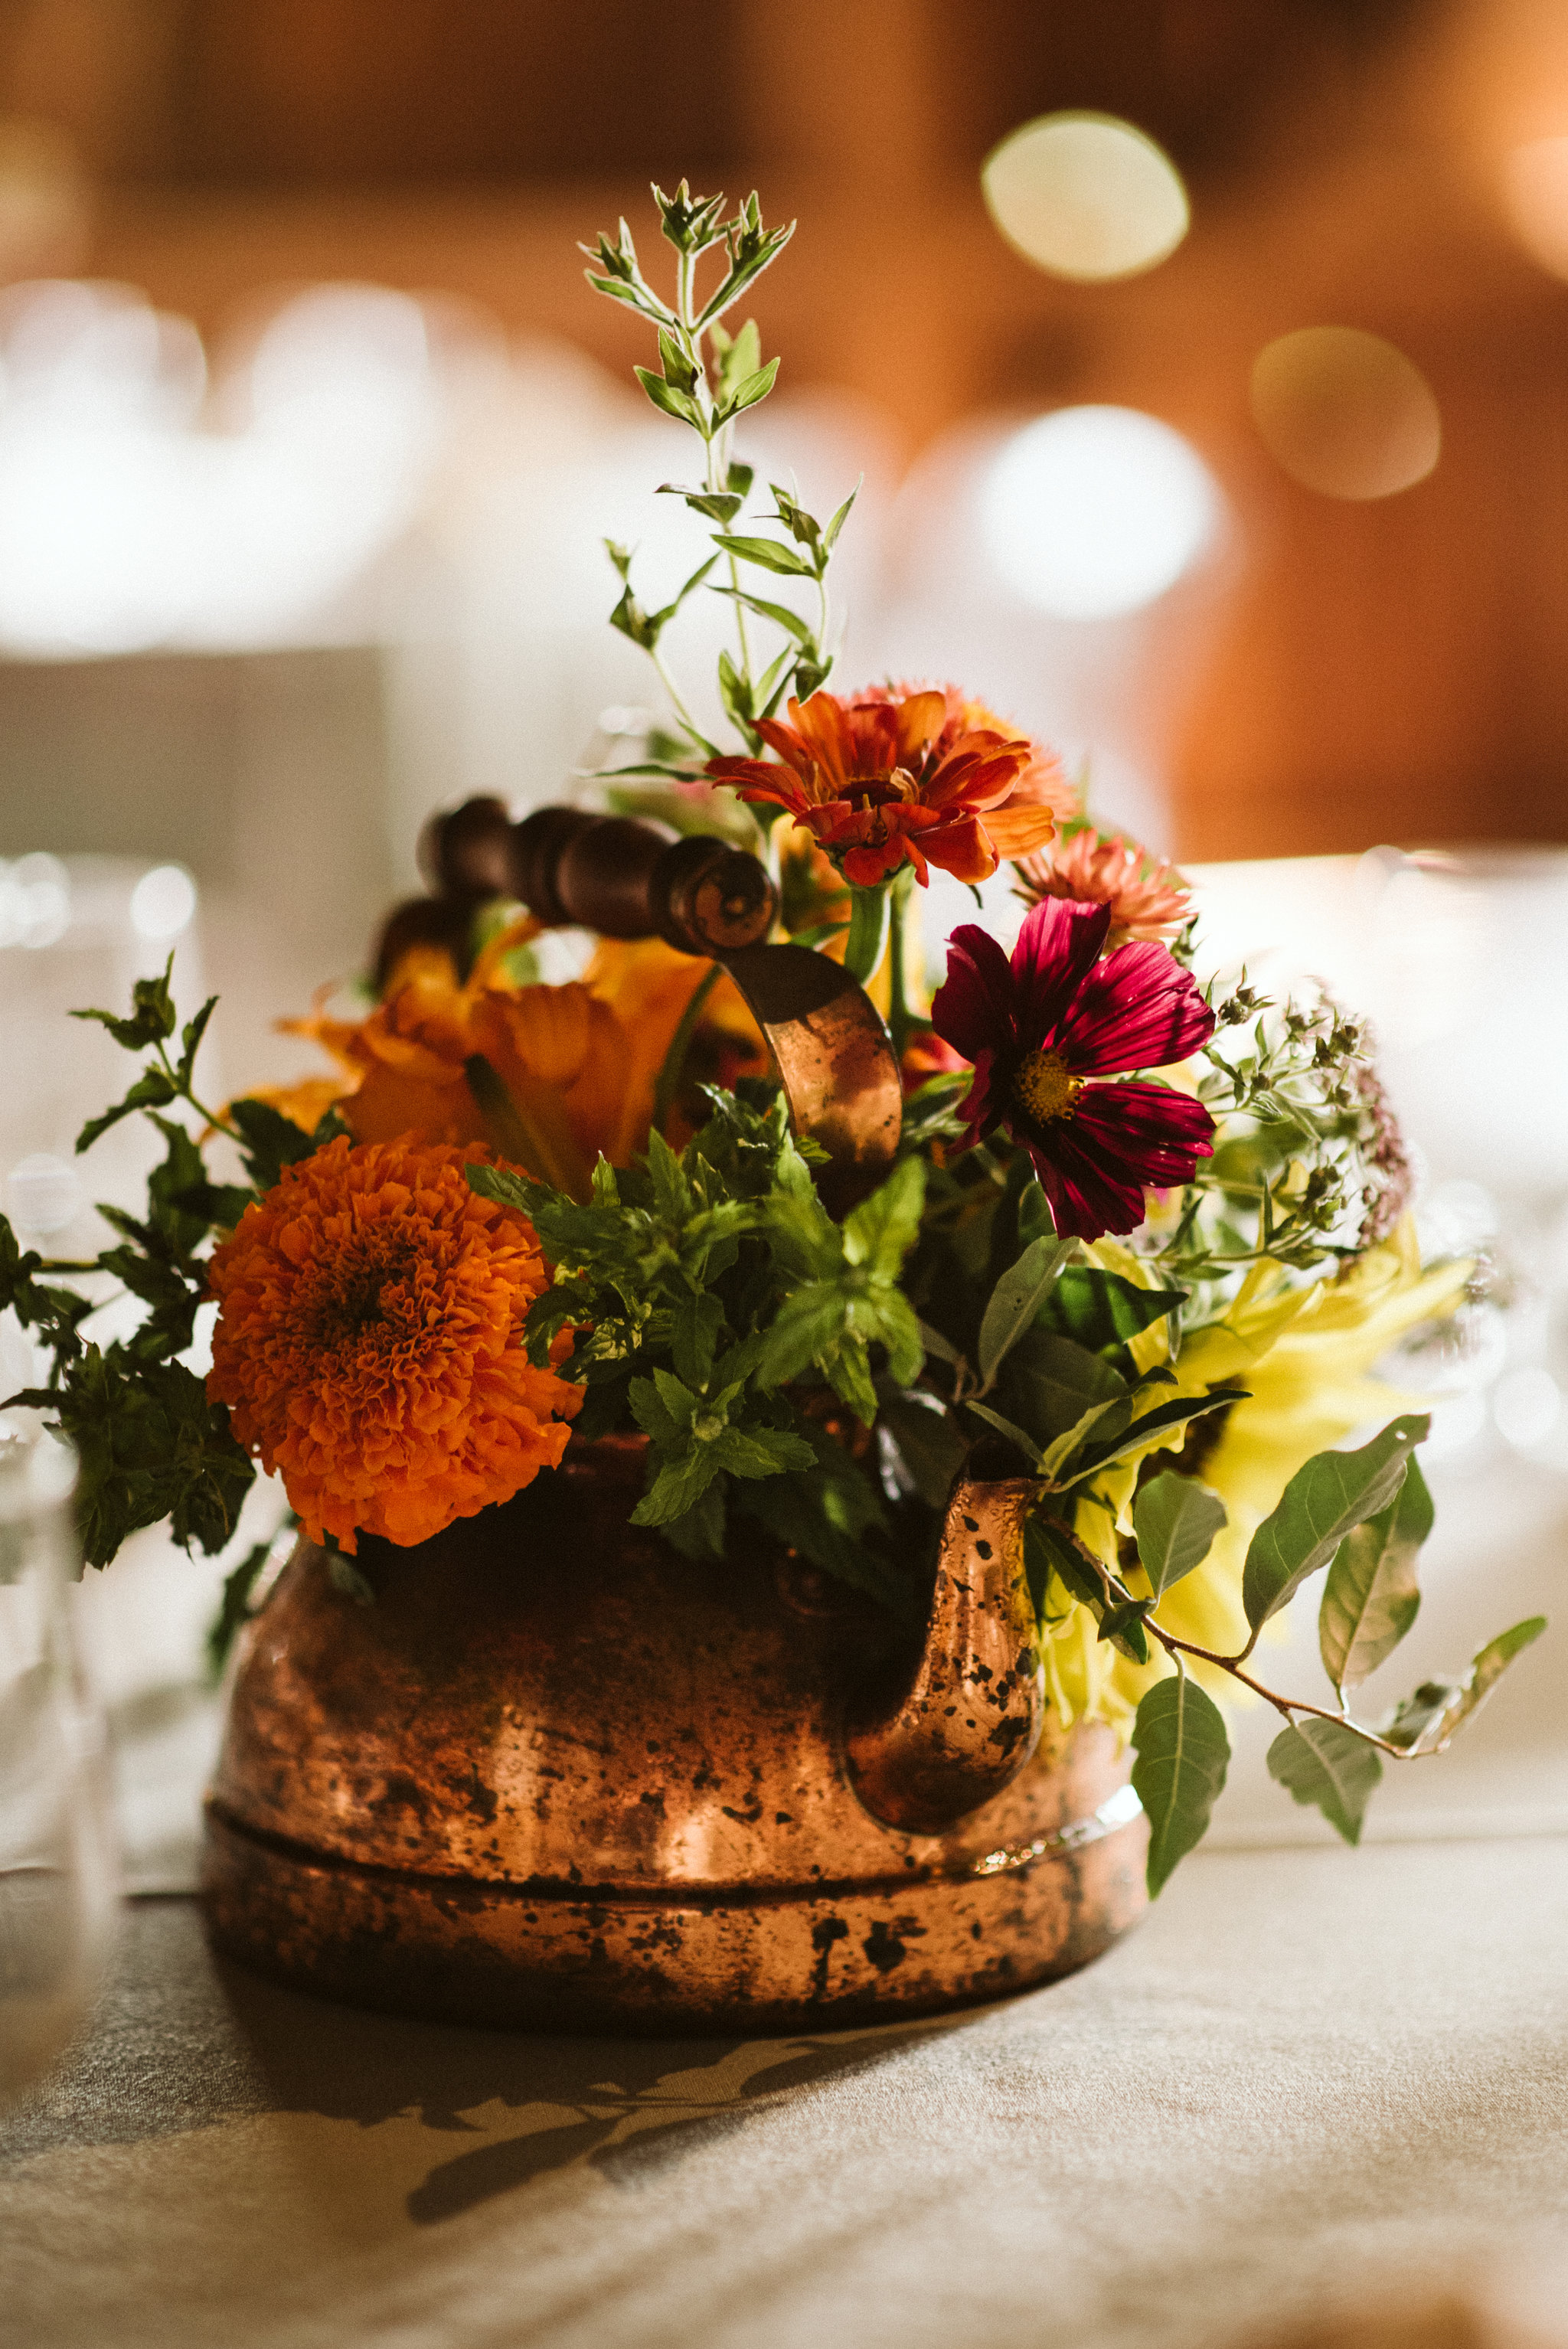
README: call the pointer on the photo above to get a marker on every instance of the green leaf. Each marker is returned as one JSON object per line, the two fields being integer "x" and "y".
{"x": 677, "y": 1487}
{"x": 831, "y": 535}
{"x": 880, "y": 1232}
{"x": 1101, "y": 1311}
{"x": 929, "y": 1444}
{"x": 270, "y": 1142}
{"x": 719, "y": 505}
{"x": 1325, "y": 1763}
{"x": 1007, "y": 1427}
{"x": 1141, "y": 1432}
{"x": 1049, "y": 1384}
{"x": 152, "y": 1016}
{"x": 1049, "y": 1548}
{"x": 1175, "y": 1520}
{"x": 152, "y": 1090}
{"x": 678, "y": 368}
{"x": 1183, "y": 1755}
{"x": 671, "y": 399}
{"x": 1122, "y": 1625}
{"x": 190, "y": 1038}
{"x": 1319, "y": 1507}
{"x": 1371, "y": 1597}
{"x": 779, "y": 613}
{"x": 761, "y": 1451}
{"x": 1016, "y": 1300}
{"x": 808, "y": 1323}
{"x": 694, "y": 1326}
{"x": 1428, "y": 1720}
{"x": 768, "y": 553}
{"x": 755, "y": 389}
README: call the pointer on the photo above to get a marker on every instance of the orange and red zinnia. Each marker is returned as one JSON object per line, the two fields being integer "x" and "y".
{"x": 902, "y": 776}
{"x": 369, "y": 1342}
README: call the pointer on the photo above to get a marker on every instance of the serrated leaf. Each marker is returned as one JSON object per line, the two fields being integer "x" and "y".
{"x": 1016, "y": 1301}
{"x": 677, "y": 1487}
{"x": 1322, "y": 1502}
{"x": 1174, "y": 1519}
{"x": 880, "y": 1232}
{"x": 152, "y": 1090}
{"x": 1324, "y": 1763}
{"x": 1371, "y": 1597}
{"x": 1183, "y": 1755}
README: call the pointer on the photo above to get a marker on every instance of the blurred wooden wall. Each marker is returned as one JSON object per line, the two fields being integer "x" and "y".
{"x": 1385, "y": 670}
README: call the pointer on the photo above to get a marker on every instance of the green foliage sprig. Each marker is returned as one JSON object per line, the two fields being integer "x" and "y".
{"x": 708, "y": 378}
{"x": 715, "y": 1305}
{"x": 1308, "y": 1162}
{"x": 151, "y": 1445}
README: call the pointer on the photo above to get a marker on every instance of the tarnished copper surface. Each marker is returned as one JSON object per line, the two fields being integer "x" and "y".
{"x": 556, "y": 1778}
{"x": 925, "y": 1752}
{"x": 835, "y": 1059}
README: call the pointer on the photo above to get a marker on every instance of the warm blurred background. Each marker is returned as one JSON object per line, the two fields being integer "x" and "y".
{"x": 342, "y": 619}
{"x": 1218, "y": 432}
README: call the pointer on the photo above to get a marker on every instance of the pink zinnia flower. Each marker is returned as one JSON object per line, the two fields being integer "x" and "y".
{"x": 1148, "y": 898}
{"x": 1041, "y": 1027}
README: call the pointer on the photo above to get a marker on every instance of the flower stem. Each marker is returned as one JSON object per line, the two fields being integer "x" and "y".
{"x": 867, "y": 931}
{"x": 899, "y": 1018}
{"x": 673, "y": 1063}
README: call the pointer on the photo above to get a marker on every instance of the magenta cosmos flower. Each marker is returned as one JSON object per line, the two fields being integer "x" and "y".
{"x": 1042, "y": 1026}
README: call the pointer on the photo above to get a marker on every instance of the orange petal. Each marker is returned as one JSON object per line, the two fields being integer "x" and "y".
{"x": 962, "y": 849}
{"x": 920, "y": 720}
{"x": 1014, "y": 830}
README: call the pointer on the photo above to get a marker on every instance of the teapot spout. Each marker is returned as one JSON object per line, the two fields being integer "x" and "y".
{"x": 959, "y": 1729}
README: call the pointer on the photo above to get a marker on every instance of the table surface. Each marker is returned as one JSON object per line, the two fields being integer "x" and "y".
{"x": 1309, "y": 2075}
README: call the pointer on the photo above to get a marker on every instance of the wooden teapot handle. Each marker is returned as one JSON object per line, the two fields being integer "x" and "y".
{"x": 628, "y": 877}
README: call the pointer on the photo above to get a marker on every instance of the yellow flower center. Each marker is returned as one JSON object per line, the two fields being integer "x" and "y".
{"x": 1043, "y": 1088}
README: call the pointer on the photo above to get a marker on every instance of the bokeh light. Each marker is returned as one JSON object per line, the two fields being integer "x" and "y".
{"x": 1535, "y": 197}
{"x": 163, "y": 902}
{"x": 1093, "y": 511}
{"x": 1344, "y": 412}
{"x": 1086, "y": 196}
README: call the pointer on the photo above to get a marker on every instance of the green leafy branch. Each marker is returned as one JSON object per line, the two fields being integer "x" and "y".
{"x": 707, "y": 378}
{"x": 151, "y": 1445}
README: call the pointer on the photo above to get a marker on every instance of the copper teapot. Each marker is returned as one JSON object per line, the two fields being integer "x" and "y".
{"x": 556, "y": 1776}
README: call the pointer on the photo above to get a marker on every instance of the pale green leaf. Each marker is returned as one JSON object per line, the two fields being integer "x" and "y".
{"x": 1325, "y": 1763}
{"x": 1175, "y": 1520}
{"x": 1017, "y": 1298}
{"x": 1183, "y": 1755}
{"x": 1371, "y": 1597}
{"x": 1318, "y": 1508}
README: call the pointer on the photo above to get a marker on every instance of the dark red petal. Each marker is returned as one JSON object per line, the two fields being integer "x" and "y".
{"x": 1057, "y": 947}
{"x": 1137, "y": 1009}
{"x": 1119, "y": 1141}
{"x": 973, "y": 1008}
{"x": 975, "y": 1108}
{"x": 1086, "y": 1198}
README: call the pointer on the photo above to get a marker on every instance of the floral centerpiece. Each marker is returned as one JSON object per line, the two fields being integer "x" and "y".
{"x": 1141, "y": 1240}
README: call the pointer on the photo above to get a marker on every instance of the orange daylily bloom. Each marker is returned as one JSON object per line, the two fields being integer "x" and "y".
{"x": 550, "y": 1076}
{"x": 904, "y": 776}
{"x": 1148, "y": 898}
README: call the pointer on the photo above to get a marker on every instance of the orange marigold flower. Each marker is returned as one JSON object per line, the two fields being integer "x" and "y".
{"x": 369, "y": 1346}
{"x": 898, "y": 777}
{"x": 1148, "y": 898}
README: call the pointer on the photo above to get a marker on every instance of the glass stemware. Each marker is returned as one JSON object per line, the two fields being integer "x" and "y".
{"x": 58, "y": 1882}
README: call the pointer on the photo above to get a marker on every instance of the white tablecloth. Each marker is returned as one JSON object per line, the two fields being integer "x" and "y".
{"x": 1312, "y": 2074}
